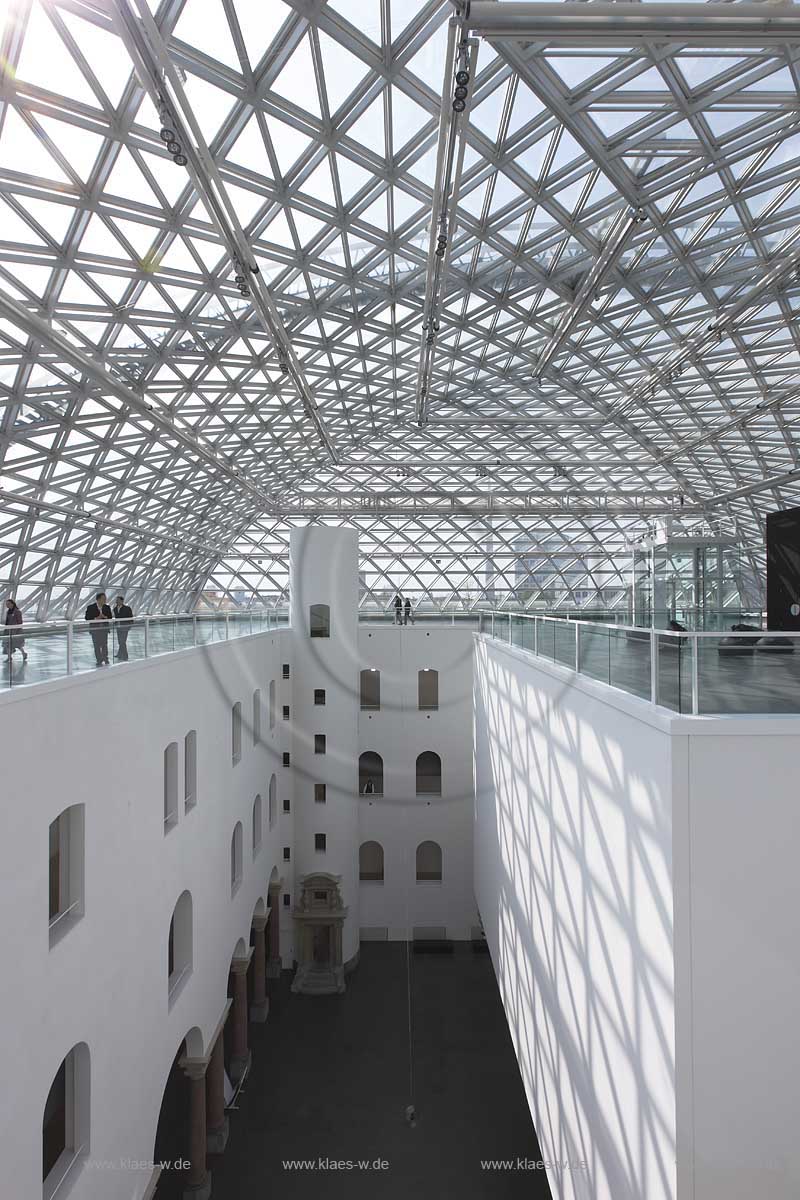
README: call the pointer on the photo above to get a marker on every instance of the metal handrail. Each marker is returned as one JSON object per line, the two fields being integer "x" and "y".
{"x": 647, "y": 630}
{"x": 654, "y": 639}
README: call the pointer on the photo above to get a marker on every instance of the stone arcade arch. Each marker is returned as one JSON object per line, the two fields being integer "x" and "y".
{"x": 181, "y": 1130}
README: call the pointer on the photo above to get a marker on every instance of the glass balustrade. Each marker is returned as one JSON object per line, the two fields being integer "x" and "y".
{"x": 692, "y": 672}
{"x": 39, "y": 653}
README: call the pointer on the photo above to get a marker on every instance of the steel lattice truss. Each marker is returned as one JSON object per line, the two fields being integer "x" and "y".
{"x": 162, "y": 426}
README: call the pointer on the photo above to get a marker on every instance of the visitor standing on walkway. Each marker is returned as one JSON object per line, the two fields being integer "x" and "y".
{"x": 14, "y": 641}
{"x": 99, "y": 614}
{"x": 407, "y": 612}
{"x": 398, "y": 609}
{"x": 123, "y": 618}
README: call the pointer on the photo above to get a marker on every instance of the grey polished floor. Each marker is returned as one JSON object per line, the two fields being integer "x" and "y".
{"x": 330, "y": 1080}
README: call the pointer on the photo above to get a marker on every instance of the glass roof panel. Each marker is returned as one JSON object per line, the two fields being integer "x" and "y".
{"x": 644, "y": 409}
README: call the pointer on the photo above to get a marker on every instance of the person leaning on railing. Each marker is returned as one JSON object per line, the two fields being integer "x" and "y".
{"x": 14, "y": 641}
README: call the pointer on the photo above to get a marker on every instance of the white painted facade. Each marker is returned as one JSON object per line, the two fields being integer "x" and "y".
{"x": 99, "y": 740}
{"x": 400, "y": 819}
{"x": 636, "y": 876}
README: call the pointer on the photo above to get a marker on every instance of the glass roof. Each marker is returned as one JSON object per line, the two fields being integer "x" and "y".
{"x": 163, "y": 426}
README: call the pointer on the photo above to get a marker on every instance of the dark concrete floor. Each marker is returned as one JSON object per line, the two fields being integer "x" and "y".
{"x": 330, "y": 1079}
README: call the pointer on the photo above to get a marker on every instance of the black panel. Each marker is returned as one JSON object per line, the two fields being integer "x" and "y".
{"x": 783, "y": 569}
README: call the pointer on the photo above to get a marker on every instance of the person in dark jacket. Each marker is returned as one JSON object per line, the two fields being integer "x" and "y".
{"x": 99, "y": 614}
{"x": 123, "y": 618}
{"x": 398, "y": 609}
{"x": 407, "y": 612}
{"x": 14, "y": 641}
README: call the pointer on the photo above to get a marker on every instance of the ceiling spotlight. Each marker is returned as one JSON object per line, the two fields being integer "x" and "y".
{"x": 462, "y": 78}
{"x": 180, "y": 159}
{"x": 166, "y": 134}
{"x": 459, "y": 106}
{"x": 174, "y": 147}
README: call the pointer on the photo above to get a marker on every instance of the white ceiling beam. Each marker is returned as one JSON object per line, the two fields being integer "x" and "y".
{"x": 150, "y": 407}
{"x": 160, "y": 77}
{"x": 612, "y": 248}
{"x": 625, "y": 23}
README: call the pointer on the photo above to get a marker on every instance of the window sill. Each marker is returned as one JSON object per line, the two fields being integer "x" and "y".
{"x": 170, "y": 822}
{"x": 430, "y": 881}
{"x": 67, "y": 1170}
{"x": 63, "y": 923}
{"x": 237, "y": 883}
{"x": 176, "y": 985}
{"x": 189, "y": 803}
{"x": 371, "y": 882}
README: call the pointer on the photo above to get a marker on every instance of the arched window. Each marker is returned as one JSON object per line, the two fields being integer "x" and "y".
{"x": 65, "y": 1121}
{"x": 371, "y": 688}
{"x": 179, "y": 947}
{"x": 428, "y": 688}
{"x": 66, "y": 871}
{"x": 370, "y": 862}
{"x": 256, "y": 716}
{"x": 236, "y": 858}
{"x": 370, "y": 774}
{"x": 319, "y": 620}
{"x": 190, "y": 770}
{"x": 236, "y": 732}
{"x": 272, "y": 703}
{"x": 273, "y": 801}
{"x": 429, "y": 862}
{"x": 170, "y": 786}
{"x": 429, "y": 774}
{"x": 258, "y": 821}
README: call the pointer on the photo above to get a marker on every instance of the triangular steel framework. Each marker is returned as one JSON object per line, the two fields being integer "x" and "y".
{"x": 150, "y": 436}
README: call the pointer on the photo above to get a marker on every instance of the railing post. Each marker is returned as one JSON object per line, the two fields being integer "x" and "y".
{"x": 146, "y": 636}
{"x": 492, "y": 633}
{"x": 194, "y": 629}
{"x": 695, "y": 675}
{"x": 577, "y": 648}
{"x": 653, "y": 667}
{"x": 536, "y": 636}
{"x": 227, "y": 627}
{"x": 69, "y": 646}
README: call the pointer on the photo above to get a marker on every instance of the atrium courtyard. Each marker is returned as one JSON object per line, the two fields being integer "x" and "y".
{"x": 413, "y": 383}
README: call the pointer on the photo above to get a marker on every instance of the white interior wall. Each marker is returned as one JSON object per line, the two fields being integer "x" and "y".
{"x": 636, "y": 873}
{"x": 400, "y": 819}
{"x": 99, "y": 739}
{"x": 743, "y": 959}
{"x": 573, "y": 865}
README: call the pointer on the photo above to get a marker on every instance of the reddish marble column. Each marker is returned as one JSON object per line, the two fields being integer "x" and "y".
{"x": 197, "y": 1185}
{"x": 260, "y": 1006}
{"x": 274, "y": 935}
{"x": 216, "y": 1121}
{"x": 240, "y": 1054}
